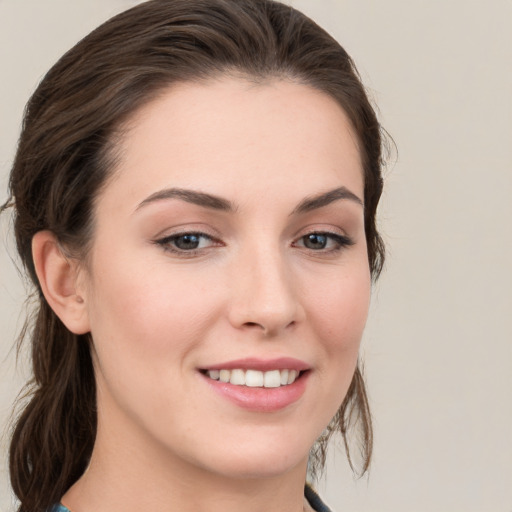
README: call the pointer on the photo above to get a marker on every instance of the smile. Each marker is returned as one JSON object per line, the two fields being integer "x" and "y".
{"x": 254, "y": 378}
{"x": 259, "y": 385}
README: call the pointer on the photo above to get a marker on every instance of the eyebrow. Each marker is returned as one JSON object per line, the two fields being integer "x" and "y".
{"x": 218, "y": 203}
{"x": 326, "y": 198}
{"x": 190, "y": 196}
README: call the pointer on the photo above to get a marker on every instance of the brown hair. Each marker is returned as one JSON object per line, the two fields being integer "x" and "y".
{"x": 67, "y": 151}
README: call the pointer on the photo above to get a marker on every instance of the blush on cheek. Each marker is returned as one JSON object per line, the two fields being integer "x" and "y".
{"x": 344, "y": 314}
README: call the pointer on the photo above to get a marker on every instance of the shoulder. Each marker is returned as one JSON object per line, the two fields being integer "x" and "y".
{"x": 316, "y": 504}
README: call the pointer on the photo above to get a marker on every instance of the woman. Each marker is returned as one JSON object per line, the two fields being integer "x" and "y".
{"x": 194, "y": 194}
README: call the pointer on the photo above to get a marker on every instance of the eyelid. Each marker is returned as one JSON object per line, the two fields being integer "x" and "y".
{"x": 341, "y": 240}
{"x": 174, "y": 236}
{"x": 166, "y": 242}
{"x": 197, "y": 228}
{"x": 320, "y": 228}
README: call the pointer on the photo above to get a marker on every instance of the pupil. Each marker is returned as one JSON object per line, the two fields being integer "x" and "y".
{"x": 315, "y": 241}
{"x": 187, "y": 242}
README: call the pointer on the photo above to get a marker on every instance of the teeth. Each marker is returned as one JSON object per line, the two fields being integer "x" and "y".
{"x": 255, "y": 378}
{"x": 224, "y": 375}
{"x": 214, "y": 374}
{"x": 272, "y": 379}
{"x": 237, "y": 378}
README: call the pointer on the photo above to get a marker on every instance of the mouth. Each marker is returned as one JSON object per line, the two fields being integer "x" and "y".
{"x": 253, "y": 378}
{"x": 259, "y": 385}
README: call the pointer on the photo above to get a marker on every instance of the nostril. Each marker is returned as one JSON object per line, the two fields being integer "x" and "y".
{"x": 253, "y": 324}
{"x": 266, "y": 330}
{"x": 256, "y": 326}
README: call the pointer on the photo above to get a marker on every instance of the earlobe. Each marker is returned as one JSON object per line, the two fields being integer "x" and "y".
{"x": 58, "y": 277}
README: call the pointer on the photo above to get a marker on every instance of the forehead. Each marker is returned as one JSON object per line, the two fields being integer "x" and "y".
{"x": 233, "y": 137}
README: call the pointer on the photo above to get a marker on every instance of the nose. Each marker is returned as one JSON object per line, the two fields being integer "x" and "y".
{"x": 264, "y": 293}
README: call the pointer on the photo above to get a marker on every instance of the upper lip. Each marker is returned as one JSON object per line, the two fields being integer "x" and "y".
{"x": 251, "y": 363}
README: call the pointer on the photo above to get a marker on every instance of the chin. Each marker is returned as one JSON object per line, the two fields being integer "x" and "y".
{"x": 258, "y": 458}
{"x": 263, "y": 467}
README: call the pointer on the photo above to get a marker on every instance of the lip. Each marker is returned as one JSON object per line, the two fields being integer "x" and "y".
{"x": 263, "y": 400}
{"x": 263, "y": 365}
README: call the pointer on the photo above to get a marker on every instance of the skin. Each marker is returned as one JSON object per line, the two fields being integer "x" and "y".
{"x": 252, "y": 289}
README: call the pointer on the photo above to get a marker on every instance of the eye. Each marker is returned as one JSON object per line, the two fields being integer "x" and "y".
{"x": 322, "y": 241}
{"x": 186, "y": 242}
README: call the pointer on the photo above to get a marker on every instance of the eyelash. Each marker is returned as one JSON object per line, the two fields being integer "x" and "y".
{"x": 168, "y": 243}
{"x": 340, "y": 241}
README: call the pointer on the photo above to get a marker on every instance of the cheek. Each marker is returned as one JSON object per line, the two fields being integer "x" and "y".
{"x": 145, "y": 332}
{"x": 339, "y": 309}
{"x": 155, "y": 313}
{"x": 338, "y": 313}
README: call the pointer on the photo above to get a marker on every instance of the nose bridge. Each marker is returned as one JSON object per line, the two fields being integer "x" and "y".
{"x": 264, "y": 294}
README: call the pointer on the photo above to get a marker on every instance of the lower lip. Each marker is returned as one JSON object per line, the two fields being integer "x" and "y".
{"x": 261, "y": 399}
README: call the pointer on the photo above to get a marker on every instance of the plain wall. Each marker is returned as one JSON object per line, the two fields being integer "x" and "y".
{"x": 438, "y": 345}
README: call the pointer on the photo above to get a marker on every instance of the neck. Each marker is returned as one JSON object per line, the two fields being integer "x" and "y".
{"x": 130, "y": 473}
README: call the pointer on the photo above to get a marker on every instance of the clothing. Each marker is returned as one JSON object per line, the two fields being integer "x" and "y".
{"x": 312, "y": 501}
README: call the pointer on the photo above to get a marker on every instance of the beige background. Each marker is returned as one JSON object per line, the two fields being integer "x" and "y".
{"x": 438, "y": 346}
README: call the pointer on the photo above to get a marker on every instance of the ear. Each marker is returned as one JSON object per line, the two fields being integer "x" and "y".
{"x": 59, "y": 277}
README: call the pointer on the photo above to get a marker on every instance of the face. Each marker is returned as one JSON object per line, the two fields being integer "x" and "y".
{"x": 228, "y": 282}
